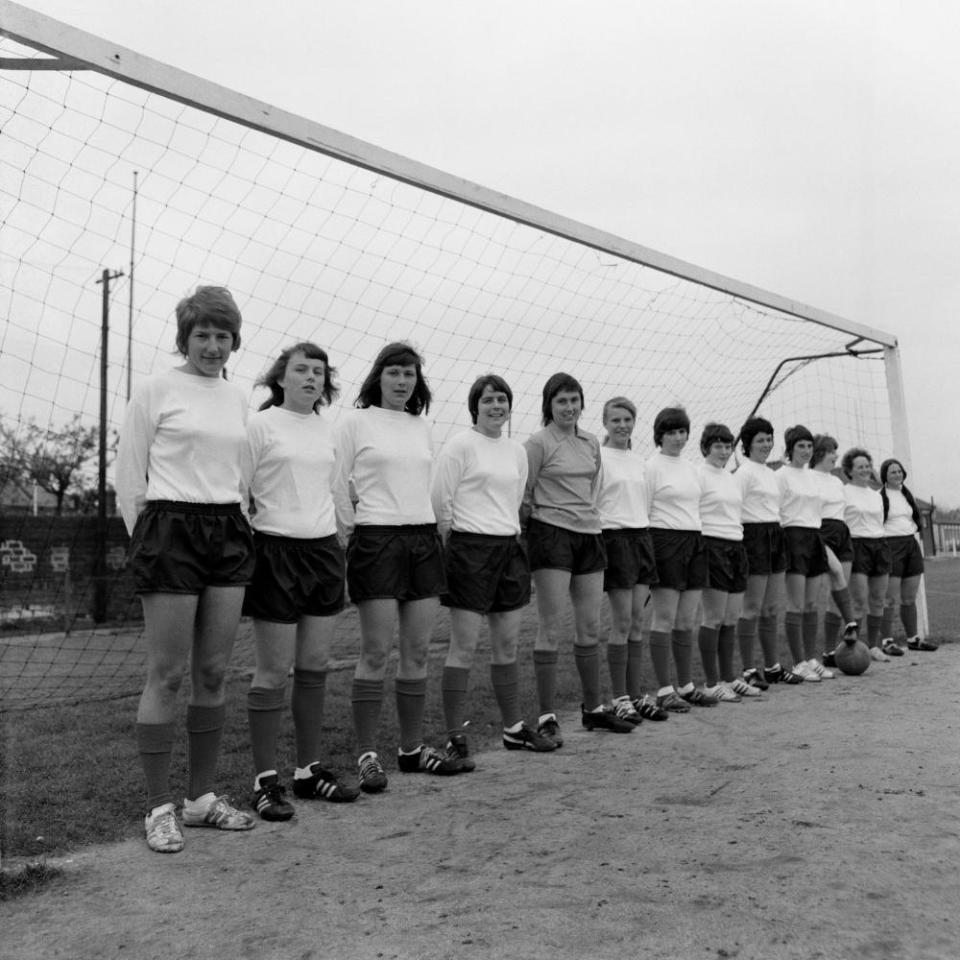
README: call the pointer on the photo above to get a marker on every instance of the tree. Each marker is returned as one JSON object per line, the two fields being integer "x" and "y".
{"x": 53, "y": 459}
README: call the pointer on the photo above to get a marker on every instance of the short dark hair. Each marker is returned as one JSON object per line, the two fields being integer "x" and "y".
{"x": 396, "y": 354}
{"x": 495, "y": 382}
{"x": 794, "y": 435}
{"x": 714, "y": 433}
{"x": 554, "y": 385}
{"x": 669, "y": 418}
{"x": 271, "y": 379}
{"x": 750, "y": 429}
{"x": 213, "y": 305}
{"x": 847, "y": 463}
{"x": 823, "y": 444}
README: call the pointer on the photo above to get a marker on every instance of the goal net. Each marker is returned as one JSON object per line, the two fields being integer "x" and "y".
{"x": 322, "y": 237}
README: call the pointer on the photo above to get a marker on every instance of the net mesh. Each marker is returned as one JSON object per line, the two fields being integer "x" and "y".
{"x": 317, "y": 248}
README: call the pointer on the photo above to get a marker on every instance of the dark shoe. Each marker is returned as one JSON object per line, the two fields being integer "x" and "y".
{"x": 700, "y": 698}
{"x": 528, "y": 739}
{"x": 269, "y": 802}
{"x": 323, "y": 785}
{"x": 626, "y": 710}
{"x": 892, "y": 649}
{"x": 673, "y": 702}
{"x": 549, "y": 728}
{"x": 429, "y": 760}
{"x": 457, "y": 749}
{"x": 778, "y": 675}
{"x": 604, "y": 718}
{"x": 371, "y": 774}
{"x": 755, "y": 679}
{"x": 851, "y": 632}
{"x": 647, "y": 707}
{"x": 829, "y": 659}
{"x": 915, "y": 643}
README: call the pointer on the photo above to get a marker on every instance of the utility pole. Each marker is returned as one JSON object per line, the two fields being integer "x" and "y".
{"x": 100, "y": 554}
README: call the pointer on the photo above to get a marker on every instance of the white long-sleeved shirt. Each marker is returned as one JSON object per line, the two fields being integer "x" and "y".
{"x": 800, "y": 503}
{"x": 673, "y": 493}
{"x": 478, "y": 485}
{"x": 721, "y": 503}
{"x": 290, "y": 471}
{"x": 622, "y": 500}
{"x": 182, "y": 440}
{"x": 899, "y": 522}
{"x": 761, "y": 492}
{"x": 863, "y": 512}
{"x": 387, "y": 454}
{"x": 831, "y": 495}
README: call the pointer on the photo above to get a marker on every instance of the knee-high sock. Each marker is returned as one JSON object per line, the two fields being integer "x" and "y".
{"x": 155, "y": 745}
{"x": 811, "y": 631}
{"x": 681, "y": 642}
{"x": 874, "y": 630}
{"x": 587, "y": 659}
{"x": 707, "y": 640}
{"x": 634, "y": 668}
{"x": 832, "y": 625}
{"x": 660, "y": 657}
{"x": 204, "y": 732}
{"x": 306, "y": 704}
{"x": 767, "y": 632}
{"x": 411, "y": 697}
{"x": 887, "y": 628}
{"x": 793, "y": 626}
{"x": 842, "y": 599}
{"x": 908, "y": 617}
{"x": 726, "y": 641}
{"x": 545, "y": 673}
{"x": 617, "y": 658}
{"x": 453, "y": 686}
{"x": 366, "y": 699}
{"x": 746, "y": 634}
{"x": 264, "y": 714}
{"x": 506, "y": 688}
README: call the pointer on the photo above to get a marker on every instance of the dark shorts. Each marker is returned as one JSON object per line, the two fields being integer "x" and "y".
{"x": 726, "y": 564}
{"x": 681, "y": 564}
{"x": 486, "y": 574}
{"x": 906, "y": 557}
{"x": 836, "y": 535}
{"x": 556, "y": 548}
{"x": 630, "y": 559}
{"x": 295, "y": 578}
{"x": 765, "y": 550}
{"x": 403, "y": 563}
{"x": 805, "y": 551}
{"x": 187, "y": 547}
{"x": 871, "y": 555}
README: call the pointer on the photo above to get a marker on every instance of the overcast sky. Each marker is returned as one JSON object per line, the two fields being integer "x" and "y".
{"x": 810, "y": 148}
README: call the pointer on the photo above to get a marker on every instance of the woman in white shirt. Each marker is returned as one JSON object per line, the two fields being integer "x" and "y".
{"x": 477, "y": 492}
{"x": 673, "y": 500}
{"x": 191, "y": 555}
{"x": 871, "y": 554}
{"x": 394, "y": 557}
{"x": 298, "y": 502}
{"x": 902, "y": 527}
{"x": 631, "y": 566}
{"x": 721, "y": 506}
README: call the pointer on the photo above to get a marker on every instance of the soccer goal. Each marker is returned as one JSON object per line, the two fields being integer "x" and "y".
{"x": 110, "y": 161}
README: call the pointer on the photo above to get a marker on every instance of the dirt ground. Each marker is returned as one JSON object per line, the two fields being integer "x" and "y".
{"x": 821, "y": 821}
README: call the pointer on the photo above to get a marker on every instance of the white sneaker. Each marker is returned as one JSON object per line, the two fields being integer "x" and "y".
{"x": 804, "y": 670}
{"x": 742, "y": 688}
{"x": 163, "y": 830}
{"x": 877, "y": 654}
{"x": 723, "y": 693}
{"x": 818, "y": 668}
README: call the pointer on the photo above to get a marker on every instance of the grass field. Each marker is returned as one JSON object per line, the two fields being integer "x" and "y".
{"x": 70, "y": 773}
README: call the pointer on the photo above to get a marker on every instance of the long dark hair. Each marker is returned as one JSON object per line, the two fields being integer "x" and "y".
{"x": 904, "y": 489}
{"x": 271, "y": 379}
{"x": 396, "y": 354}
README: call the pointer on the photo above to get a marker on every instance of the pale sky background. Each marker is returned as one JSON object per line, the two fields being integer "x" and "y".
{"x": 809, "y": 148}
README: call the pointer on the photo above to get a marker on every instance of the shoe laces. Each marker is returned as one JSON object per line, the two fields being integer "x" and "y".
{"x": 164, "y": 826}
{"x": 370, "y": 767}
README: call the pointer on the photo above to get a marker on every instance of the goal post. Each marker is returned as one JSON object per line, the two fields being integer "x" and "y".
{"x": 321, "y": 236}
